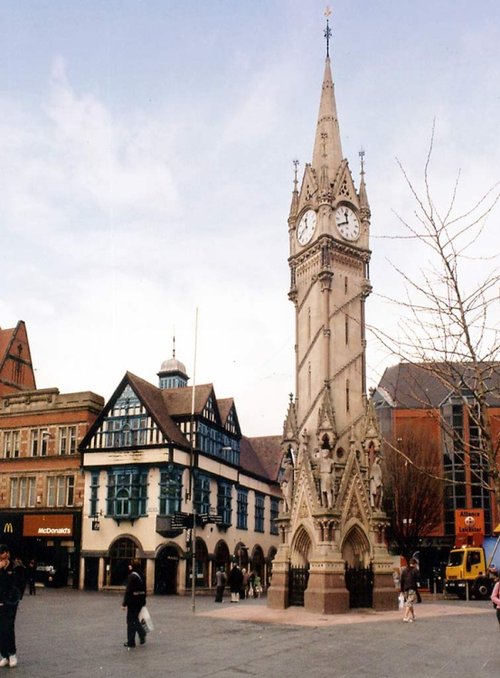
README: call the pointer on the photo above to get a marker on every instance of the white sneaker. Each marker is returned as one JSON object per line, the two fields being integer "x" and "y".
{"x": 4, "y": 661}
{"x": 12, "y": 660}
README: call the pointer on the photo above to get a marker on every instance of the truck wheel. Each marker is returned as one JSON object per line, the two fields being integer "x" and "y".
{"x": 482, "y": 589}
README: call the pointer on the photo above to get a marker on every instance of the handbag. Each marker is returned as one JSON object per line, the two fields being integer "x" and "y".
{"x": 145, "y": 619}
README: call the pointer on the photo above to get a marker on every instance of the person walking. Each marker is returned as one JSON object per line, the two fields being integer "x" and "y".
{"x": 220, "y": 583}
{"x": 31, "y": 576}
{"x": 235, "y": 583}
{"x": 11, "y": 588}
{"x": 133, "y": 601}
{"x": 409, "y": 584}
{"x": 244, "y": 584}
{"x": 495, "y": 598}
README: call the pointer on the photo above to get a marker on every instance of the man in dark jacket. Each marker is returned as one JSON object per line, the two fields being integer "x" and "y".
{"x": 409, "y": 584}
{"x": 220, "y": 582}
{"x": 11, "y": 589}
{"x": 133, "y": 601}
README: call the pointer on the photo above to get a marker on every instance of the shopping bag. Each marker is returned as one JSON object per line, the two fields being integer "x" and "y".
{"x": 401, "y": 601}
{"x": 145, "y": 619}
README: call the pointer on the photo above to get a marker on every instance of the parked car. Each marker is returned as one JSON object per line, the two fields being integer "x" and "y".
{"x": 48, "y": 575}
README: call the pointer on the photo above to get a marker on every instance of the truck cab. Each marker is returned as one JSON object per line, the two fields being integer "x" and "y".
{"x": 467, "y": 573}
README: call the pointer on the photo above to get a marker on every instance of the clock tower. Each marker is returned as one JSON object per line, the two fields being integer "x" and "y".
{"x": 333, "y": 551}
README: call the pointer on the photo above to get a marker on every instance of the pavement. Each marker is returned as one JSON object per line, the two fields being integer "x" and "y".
{"x": 62, "y": 633}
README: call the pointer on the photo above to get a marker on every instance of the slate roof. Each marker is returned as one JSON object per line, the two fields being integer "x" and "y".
{"x": 259, "y": 457}
{"x": 225, "y": 405}
{"x": 179, "y": 400}
{"x": 429, "y": 385}
{"x": 262, "y": 456}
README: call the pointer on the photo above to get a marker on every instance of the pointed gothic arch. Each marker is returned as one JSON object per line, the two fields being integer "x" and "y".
{"x": 356, "y": 550}
{"x": 301, "y": 548}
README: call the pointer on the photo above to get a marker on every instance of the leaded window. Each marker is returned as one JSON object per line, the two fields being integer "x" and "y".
{"x": 127, "y": 493}
{"x": 170, "y": 490}
{"x": 202, "y": 493}
{"x": 94, "y": 493}
{"x": 259, "y": 512}
{"x": 224, "y": 496}
{"x": 242, "y": 509}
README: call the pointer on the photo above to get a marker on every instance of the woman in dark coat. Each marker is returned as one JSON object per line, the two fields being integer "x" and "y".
{"x": 133, "y": 601}
{"x": 235, "y": 582}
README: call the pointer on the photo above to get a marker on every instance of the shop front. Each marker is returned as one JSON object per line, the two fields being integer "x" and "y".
{"x": 52, "y": 540}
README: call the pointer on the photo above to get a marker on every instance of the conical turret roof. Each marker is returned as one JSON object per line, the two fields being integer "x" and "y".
{"x": 327, "y": 146}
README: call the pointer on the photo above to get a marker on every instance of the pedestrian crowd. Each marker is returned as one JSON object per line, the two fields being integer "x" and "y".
{"x": 242, "y": 584}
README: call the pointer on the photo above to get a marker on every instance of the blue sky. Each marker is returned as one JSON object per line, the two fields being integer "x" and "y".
{"x": 146, "y": 170}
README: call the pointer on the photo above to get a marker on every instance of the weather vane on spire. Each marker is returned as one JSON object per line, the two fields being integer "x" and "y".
{"x": 328, "y": 31}
{"x": 362, "y": 159}
{"x": 295, "y": 167}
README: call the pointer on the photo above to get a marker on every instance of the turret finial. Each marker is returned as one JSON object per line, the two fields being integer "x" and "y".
{"x": 295, "y": 170}
{"x": 362, "y": 160}
{"x": 328, "y": 31}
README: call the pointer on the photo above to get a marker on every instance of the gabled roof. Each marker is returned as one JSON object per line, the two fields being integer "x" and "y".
{"x": 15, "y": 349}
{"x": 225, "y": 405}
{"x": 6, "y": 338}
{"x": 261, "y": 456}
{"x": 429, "y": 385}
{"x": 179, "y": 400}
{"x": 151, "y": 397}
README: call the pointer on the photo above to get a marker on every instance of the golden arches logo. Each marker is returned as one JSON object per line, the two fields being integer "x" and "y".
{"x": 8, "y": 528}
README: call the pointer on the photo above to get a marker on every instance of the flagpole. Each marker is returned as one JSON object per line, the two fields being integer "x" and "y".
{"x": 191, "y": 472}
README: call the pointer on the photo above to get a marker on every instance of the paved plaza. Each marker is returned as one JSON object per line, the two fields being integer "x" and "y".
{"x": 66, "y": 633}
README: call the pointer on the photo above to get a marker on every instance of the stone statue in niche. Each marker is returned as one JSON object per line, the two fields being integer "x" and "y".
{"x": 376, "y": 484}
{"x": 287, "y": 484}
{"x": 326, "y": 479}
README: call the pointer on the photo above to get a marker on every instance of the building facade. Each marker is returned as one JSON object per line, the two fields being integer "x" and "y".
{"x": 170, "y": 479}
{"x": 439, "y": 400}
{"x": 41, "y": 484}
{"x": 332, "y": 522}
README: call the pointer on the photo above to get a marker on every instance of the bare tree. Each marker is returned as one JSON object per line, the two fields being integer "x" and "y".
{"x": 413, "y": 489}
{"x": 449, "y": 318}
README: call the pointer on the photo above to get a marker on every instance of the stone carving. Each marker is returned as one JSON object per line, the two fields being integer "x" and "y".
{"x": 376, "y": 484}
{"x": 287, "y": 484}
{"x": 326, "y": 480}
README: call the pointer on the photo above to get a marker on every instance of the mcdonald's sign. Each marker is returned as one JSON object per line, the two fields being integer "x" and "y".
{"x": 11, "y": 524}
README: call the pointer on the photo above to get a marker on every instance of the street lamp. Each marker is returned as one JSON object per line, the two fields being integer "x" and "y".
{"x": 407, "y": 524}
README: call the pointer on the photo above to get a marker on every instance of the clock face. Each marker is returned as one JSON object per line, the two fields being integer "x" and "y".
{"x": 306, "y": 227}
{"x": 347, "y": 223}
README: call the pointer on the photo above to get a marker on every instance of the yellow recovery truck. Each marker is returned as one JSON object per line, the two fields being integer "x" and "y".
{"x": 469, "y": 574}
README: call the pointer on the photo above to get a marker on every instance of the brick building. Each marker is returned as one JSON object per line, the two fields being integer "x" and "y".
{"x": 41, "y": 484}
{"x": 439, "y": 400}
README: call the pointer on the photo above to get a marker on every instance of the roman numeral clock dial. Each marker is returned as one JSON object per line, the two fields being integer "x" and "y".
{"x": 347, "y": 223}
{"x": 306, "y": 227}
